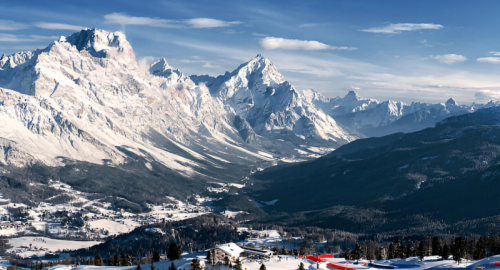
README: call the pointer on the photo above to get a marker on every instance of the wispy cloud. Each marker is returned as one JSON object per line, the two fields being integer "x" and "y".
{"x": 7, "y": 25}
{"x": 124, "y": 19}
{"x": 209, "y": 23}
{"x": 425, "y": 43}
{"x": 19, "y": 38}
{"x": 259, "y": 34}
{"x": 271, "y": 43}
{"x": 206, "y": 64}
{"x": 397, "y": 28}
{"x": 58, "y": 26}
{"x": 495, "y": 53}
{"x": 493, "y": 60}
{"x": 450, "y": 58}
{"x": 308, "y": 25}
{"x": 11, "y": 38}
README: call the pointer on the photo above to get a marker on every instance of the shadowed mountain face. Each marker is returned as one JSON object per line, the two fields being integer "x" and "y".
{"x": 445, "y": 174}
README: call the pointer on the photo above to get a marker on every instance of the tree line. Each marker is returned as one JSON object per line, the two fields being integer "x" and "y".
{"x": 458, "y": 248}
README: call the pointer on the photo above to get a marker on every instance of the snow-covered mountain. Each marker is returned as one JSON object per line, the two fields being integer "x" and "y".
{"x": 83, "y": 109}
{"x": 272, "y": 107}
{"x": 371, "y": 117}
{"x": 84, "y": 95}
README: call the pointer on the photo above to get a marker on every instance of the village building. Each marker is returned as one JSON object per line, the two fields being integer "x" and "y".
{"x": 234, "y": 252}
{"x": 230, "y": 250}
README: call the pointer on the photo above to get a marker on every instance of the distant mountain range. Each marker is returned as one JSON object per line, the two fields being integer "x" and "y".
{"x": 371, "y": 117}
{"x": 83, "y": 111}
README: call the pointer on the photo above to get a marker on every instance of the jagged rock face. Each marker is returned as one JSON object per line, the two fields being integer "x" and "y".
{"x": 103, "y": 44}
{"x": 258, "y": 92}
{"x": 79, "y": 98}
{"x": 85, "y": 97}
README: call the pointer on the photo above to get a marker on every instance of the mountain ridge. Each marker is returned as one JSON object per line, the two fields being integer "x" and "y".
{"x": 373, "y": 118}
{"x": 85, "y": 102}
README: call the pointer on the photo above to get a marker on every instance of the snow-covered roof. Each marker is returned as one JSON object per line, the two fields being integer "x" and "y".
{"x": 231, "y": 249}
{"x": 261, "y": 252}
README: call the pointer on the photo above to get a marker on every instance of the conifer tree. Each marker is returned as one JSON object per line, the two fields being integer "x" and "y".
{"x": 436, "y": 246}
{"x": 124, "y": 259}
{"x": 174, "y": 252}
{"x": 347, "y": 254}
{"x": 398, "y": 253}
{"x": 479, "y": 250}
{"x": 446, "y": 252}
{"x": 301, "y": 266}
{"x": 98, "y": 260}
{"x": 172, "y": 266}
{"x": 458, "y": 249}
{"x": 356, "y": 252}
{"x": 421, "y": 250}
{"x": 195, "y": 264}
{"x": 138, "y": 267}
{"x": 152, "y": 265}
{"x": 390, "y": 251}
{"x": 262, "y": 267}
{"x": 156, "y": 256}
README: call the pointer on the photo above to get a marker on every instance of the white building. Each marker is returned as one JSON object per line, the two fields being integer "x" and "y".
{"x": 230, "y": 250}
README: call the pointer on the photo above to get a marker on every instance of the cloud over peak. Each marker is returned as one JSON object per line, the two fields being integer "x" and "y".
{"x": 271, "y": 43}
{"x": 397, "y": 28}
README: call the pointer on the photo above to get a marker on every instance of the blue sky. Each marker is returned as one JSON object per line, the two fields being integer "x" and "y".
{"x": 402, "y": 50}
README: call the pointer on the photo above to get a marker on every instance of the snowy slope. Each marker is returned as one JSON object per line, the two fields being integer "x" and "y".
{"x": 85, "y": 98}
{"x": 272, "y": 106}
{"x": 84, "y": 111}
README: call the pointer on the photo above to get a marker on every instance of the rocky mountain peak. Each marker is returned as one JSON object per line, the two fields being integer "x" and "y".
{"x": 351, "y": 95}
{"x": 101, "y": 43}
{"x": 159, "y": 66}
{"x": 452, "y": 102}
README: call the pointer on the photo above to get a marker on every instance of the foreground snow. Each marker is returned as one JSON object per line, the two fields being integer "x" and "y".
{"x": 291, "y": 263}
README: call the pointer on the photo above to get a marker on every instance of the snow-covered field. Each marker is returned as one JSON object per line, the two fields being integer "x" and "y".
{"x": 29, "y": 245}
